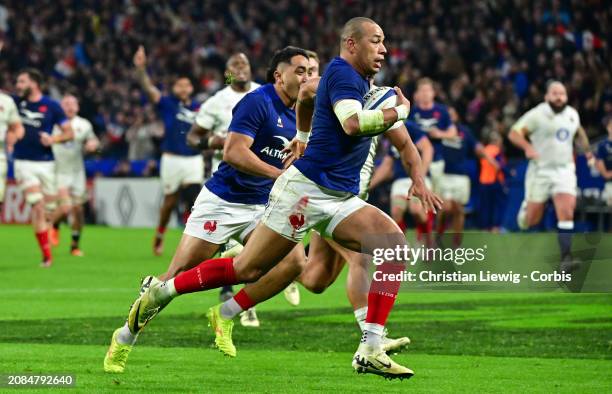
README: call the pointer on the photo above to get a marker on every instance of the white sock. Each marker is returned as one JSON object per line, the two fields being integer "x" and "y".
{"x": 125, "y": 337}
{"x": 230, "y": 308}
{"x": 167, "y": 290}
{"x": 372, "y": 334}
{"x": 360, "y": 316}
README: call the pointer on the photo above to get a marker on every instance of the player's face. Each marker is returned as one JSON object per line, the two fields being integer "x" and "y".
{"x": 239, "y": 68}
{"x": 425, "y": 94}
{"x": 313, "y": 67}
{"x": 70, "y": 105}
{"x": 370, "y": 48}
{"x": 291, "y": 76}
{"x": 24, "y": 85}
{"x": 182, "y": 89}
{"x": 556, "y": 96}
{"x": 453, "y": 115}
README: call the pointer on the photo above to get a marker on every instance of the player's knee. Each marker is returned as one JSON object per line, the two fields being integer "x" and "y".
{"x": 313, "y": 284}
{"x": 34, "y": 198}
{"x": 249, "y": 274}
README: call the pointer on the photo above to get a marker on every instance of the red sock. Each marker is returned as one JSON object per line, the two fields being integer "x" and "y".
{"x": 209, "y": 274}
{"x": 430, "y": 222}
{"x": 457, "y": 239}
{"x": 383, "y": 293}
{"x": 45, "y": 246}
{"x": 161, "y": 230}
{"x": 243, "y": 299}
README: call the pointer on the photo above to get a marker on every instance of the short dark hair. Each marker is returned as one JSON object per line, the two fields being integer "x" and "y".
{"x": 34, "y": 75}
{"x": 283, "y": 56}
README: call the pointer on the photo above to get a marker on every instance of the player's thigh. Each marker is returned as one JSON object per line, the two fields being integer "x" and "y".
{"x": 565, "y": 204}
{"x": 192, "y": 170}
{"x": 3, "y": 172}
{"x": 367, "y": 222}
{"x": 538, "y": 184}
{"x": 264, "y": 249}
{"x": 170, "y": 173}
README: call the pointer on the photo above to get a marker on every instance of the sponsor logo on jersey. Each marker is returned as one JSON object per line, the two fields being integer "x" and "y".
{"x": 31, "y": 118}
{"x": 276, "y": 153}
{"x": 185, "y": 115}
{"x": 279, "y": 122}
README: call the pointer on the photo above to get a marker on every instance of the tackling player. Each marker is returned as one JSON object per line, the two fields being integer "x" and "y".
{"x": 181, "y": 166}
{"x": 233, "y": 200}
{"x": 34, "y": 162}
{"x": 551, "y": 127}
{"x": 70, "y": 170}
{"x": 209, "y": 131}
{"x": 11, "y": 131}
{"x": 319, "y": 191}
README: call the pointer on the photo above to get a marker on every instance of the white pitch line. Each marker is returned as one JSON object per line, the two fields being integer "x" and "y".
{"x": 68, "y": 290}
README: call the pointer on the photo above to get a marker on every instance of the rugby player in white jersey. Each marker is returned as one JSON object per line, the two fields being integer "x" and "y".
{"x": 320, "y": 191}
{"x": 11, "y": 130}
{"x": 70, "y": 171}
{"x": 209, "y": 131}
{"x": 546, "y": 135}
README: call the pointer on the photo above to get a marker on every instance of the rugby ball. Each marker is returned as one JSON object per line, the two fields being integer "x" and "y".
{"x": 380, "y": 97}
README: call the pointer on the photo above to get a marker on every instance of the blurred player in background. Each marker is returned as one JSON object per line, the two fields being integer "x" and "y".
{"x": 70, "y": 172}
{"x": 210, "y": 128}
{"x": 11, "y": 131}
{"x": 551, "y": 127}
{"x": 604, "y": 163}
{"x": 455, "y": 185}
{"x": 34, "y": 161}
{"x": 491, "y": 194}
{"x": 181, "y": 166}
{"x": 392, "y": 168}
{"x": 434, "y": 119}
{"x": 232, "y": 202}
{"x": 320, "y": 190}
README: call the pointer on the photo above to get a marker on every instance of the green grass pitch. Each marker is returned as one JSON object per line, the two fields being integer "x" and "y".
{"x": 61, "y": 319}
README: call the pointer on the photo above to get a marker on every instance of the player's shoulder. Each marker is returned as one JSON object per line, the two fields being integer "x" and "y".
{"x": 81, "y": 120}
{"x": 339, "y": 67}
{"x": 438, "y": 106}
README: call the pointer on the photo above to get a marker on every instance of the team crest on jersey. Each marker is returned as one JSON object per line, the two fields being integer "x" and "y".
{"x": 297, "y": 220}
{"x": 210, "y": 226}
{"x": 562, "y": 134}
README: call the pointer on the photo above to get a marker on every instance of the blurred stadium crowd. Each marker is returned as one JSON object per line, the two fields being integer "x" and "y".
{"x": 490, "y": 59}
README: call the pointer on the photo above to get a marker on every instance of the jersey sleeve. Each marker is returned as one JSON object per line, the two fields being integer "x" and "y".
{"x": 89, "y": 132}
{"x": 164, "y": 103}
{"x": 527, "y": 121}
{"x": 248, "y": 115}
{"x": 12, "y": 113}
{"x": 206, "y": 117}
{"x": 59, "y": 117}
{"x": 445, "y": 121}
{"x": 343, "y": 86}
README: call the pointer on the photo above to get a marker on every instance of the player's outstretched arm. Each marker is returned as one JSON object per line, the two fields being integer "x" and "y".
{"x": 411, "y": 160}
{"x": 357, "y": 121}
{"x": 140, "y": 62}
{"x": 238, "y": 154}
